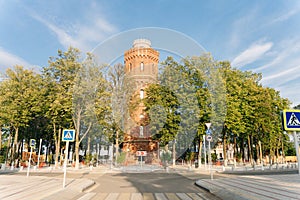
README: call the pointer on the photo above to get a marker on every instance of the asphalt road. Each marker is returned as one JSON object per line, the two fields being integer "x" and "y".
{"x": 154, "y": 185}
{"x": 147, "y": 183}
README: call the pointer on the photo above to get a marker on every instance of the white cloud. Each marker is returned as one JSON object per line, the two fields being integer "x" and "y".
{"x": 63, "y": 37}
{"x": 286, "y": 15}
{"x": 253, "y": 53}
{"x": 282, "y": 71}
{"x": 83, "y": 35}
{"x": 8, "y": 60}
{"x": 287, "y": 74}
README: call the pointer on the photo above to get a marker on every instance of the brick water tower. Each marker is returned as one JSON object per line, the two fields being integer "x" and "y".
{"x": 141, "y": 67}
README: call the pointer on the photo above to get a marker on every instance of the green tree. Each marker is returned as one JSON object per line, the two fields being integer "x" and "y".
{"x": 59, "y": 76}
{"x": 162, "y": 107}
{"x": 123, "y": 101}
{"x": 89, "y": 100}
{"x": 21, "y": 94}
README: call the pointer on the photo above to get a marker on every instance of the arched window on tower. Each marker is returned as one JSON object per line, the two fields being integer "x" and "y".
{"x": 130, "y": 67}
{"x": 141, "y": 94}
{"x": 141, "y": 131}
{"x": 142, "y": 66}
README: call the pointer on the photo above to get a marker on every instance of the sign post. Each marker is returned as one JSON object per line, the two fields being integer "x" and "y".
{"x": 291, "y": 122}
{"x": 209, "y": 138}
{"x": 32, "y": 145}
{"x": 68, "y": 136}
{"x": 141, "y": 154}
{"x": 204, "y": 151}
{"x": 38, "y": 163}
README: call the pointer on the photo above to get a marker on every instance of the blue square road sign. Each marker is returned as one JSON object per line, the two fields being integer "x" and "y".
{"x": 291, "y": 120}
{"x": 32, "y": 143}
{"x": 68, "y": 135}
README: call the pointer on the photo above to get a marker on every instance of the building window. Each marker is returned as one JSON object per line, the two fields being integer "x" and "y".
{"x": 142, "y": 66}
{"x": 130, "y": 67}
{"x": 141, "y": 94}
{"x": 141, "y": 116}
{"x": 141, "y": 131}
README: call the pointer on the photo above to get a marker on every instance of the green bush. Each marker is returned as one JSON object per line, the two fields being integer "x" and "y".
{"x": 166, "y": 156}
{"x": 121, "y": 157}
{"x": 214, "y": 157}
{"x": 190, "y": 156}
{"x": 2, "y": 159}
{"x": 88, "y": 158}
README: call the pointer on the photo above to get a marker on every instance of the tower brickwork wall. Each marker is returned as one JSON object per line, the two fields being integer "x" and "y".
{"x": 141, "y": 66}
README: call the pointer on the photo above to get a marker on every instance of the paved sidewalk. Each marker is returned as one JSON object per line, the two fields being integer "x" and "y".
{"x": 19, "y": 186}
{"x": 254, "y": 187}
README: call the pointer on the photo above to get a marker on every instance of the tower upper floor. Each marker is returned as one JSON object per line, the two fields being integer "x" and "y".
{"x": 141, "y": 62}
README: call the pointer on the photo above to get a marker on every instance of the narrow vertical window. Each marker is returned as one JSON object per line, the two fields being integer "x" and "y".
{"x": 141, "y": 94}
{"x": 142, "y": 66}
{"x": 141, "y": 131}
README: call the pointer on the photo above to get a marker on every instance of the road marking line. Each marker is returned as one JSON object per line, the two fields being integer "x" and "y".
{"x": 160, "y": 196}
{"x": 136, "y": 196}
{"x": 112, "y": 196}
{"x": 184, "y": 196}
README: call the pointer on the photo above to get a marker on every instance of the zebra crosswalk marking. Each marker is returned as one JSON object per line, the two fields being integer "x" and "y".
{"x": 148, "y": 196}
{"x": 136, "y": 196}
{"x": 124, "y": 196}
{"x": 87, "y": 196}
{"x": 172, "y": 196}
{"x": 112, "y": 196}
{"x": 144, "y": 196}
{"x": 194, "y": 196}
{"x": 183, "y": 196}
{"x": 160, "y": 196}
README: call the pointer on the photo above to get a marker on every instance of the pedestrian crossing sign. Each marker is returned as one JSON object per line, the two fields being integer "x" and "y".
{"x": 68, "y": 135}
{"x": 291, "y": 120}
{"x": 32, "y": 143}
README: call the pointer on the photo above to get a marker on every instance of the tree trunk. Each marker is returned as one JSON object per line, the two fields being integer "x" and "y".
{"x": 283, "y": 154}
{"x": 242, "y": 150}
{"x": 249, "y": 149}
{"x": 117, "y": 146}
{"x": 88, "y": 150}
{"x": 57, "y": 144}
{"x": 174, "y": 153}
{"x": 258, "y": 161}
{"x": 77, "y": 141}
{"x": 0, "y": 138}
{"x": 234, "y": 148}
{"x": 8, "y": 148}
{"x": 200, "y": 152}
{"x": 15, "y": 145}
{"x": 277, "y": 153}
{"x": 260, "y": 152}
{"x": 225, "y": 149}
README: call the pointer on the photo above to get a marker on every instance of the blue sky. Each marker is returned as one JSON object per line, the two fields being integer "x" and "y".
{"x": 262, "y": 36}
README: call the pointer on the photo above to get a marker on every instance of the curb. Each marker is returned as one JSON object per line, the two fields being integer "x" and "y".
{"x": 201, "y": 186}
{"x": 88, "y": 185}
